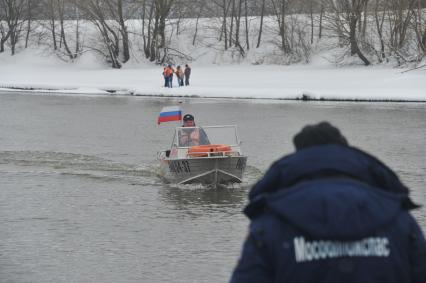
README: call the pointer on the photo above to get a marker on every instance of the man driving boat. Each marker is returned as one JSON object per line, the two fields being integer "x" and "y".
{"x": 194, "y": 135}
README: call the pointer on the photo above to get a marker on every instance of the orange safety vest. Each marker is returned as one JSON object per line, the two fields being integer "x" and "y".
{"x": 168, "y": 71}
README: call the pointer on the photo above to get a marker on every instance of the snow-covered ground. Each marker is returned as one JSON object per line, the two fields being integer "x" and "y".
{"x": 262, "y": 73}
{"x": 318, "y": 80}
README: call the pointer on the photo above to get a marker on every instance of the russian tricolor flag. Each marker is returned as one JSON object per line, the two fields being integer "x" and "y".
{"x": 170, "y": 113}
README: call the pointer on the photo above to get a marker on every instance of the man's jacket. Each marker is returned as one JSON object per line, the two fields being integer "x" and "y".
{"x": 331, "y": 214}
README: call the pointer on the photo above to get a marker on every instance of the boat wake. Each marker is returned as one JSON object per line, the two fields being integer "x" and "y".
{"x": 85, "y": 166}
{"x": 92, "y": 167}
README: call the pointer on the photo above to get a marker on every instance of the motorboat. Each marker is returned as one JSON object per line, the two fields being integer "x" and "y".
{"x": 211, "y": 156}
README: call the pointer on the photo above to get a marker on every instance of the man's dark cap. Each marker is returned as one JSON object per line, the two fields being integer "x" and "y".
{"x": 318, "y": 134}
{"x": 188, "y": 117}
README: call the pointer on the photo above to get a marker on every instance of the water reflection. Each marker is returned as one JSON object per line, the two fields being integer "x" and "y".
{"x": 199, "y": 197}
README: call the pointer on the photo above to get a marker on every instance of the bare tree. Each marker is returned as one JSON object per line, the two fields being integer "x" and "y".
{"x": 386, "y": 29}
{"x": 117, "y": 14}
{"x": 231, "y": 28}
{"x": 147, "y": 11}
{"x": 262, "y": 13}
{"x": 237, "y": 23}
{"x": 12, "y": 23}
{"x": 77, "y": 30}
{"x": 380, "y": 9}
{"x": 156, "y": 49}
{"x": 224, "y": 6}
{"x": 311, "y": 14}
{"x": 108, "y": 17}
{"x": 4, "y": 30}
{"x": 346, "y": 15}
{"x": 247, "y": 25}
{"x": 280, "y": 10}
{"x": 163, "y": 8}
{"x": 51, "y": 4}
{"x": 199, "y": 8}
{"x": 420, "y": 26}
{"x": 29, "y": 20}
{"x": 399, "y": 18}
{"x": 60, "y": 5}
{"x": 321, "y": 18}
{"x": 97, "y": 12}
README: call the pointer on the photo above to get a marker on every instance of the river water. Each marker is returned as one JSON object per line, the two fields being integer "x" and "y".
{"x": 80, "y": 200}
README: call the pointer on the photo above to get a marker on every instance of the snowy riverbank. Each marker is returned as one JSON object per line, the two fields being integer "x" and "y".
{"x": 319, "y": 80}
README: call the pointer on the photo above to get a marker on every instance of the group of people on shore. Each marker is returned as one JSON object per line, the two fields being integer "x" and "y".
{"x": 181, "y": 75}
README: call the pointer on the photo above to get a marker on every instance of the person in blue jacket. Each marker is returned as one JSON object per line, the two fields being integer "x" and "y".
{"x": 330, "y": 213}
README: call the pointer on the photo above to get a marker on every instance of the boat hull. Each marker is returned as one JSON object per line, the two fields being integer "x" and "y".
{"x": 209, "y": 170}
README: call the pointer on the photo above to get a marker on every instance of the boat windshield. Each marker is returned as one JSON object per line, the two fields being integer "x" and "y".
{"x": 192, "y": 136}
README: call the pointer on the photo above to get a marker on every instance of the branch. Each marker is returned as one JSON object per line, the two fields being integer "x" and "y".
{"x": 419, "y": 67}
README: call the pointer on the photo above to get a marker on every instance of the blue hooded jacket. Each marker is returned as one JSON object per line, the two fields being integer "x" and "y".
{"x": 331, "y": 214}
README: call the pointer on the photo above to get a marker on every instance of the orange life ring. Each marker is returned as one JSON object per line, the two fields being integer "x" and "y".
{"x": 204, "y": 150}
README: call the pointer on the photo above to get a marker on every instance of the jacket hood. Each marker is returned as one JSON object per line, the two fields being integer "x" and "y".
{"x": 338, "y": 209}
{"x": 328, "y": 160}
{"x": 330, "y": 191}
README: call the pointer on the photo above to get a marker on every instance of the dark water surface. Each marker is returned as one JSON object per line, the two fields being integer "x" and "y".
{"x": 80, "y": 200}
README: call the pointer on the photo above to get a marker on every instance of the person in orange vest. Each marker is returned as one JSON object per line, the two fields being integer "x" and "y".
{"x": 193, "y": 136}
{"x": 166, "y": 79}
{"x": 170, "y": 75}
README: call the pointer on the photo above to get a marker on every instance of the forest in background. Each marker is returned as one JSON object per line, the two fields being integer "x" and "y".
{"x": 260, "y": 31}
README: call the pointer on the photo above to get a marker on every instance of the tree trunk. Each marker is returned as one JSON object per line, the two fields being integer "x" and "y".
{"x": 420, "y": 20}
{"x": 3, "y": 40}
{"x": 143, "y": 26}
{"x": 247, "y": 27}
{"x": 283, "y": 28}
{"x": 154, "y": 43}
{"x": 364, "y": 23}
{"x": 196, "y": 25}
{"x": 424, "y": 41}
{"x": 353, "y": 41}
{"x": 67, "y": 49}
{"x": 29, "y": 15}
{"x": 77, "y": 31}
{"x": 14, "y": 23}
{"x": 123, "y": 31}
{"x": 352, "y": 35}
{"x": 320, "y": 20}
{"x": 162, "y": 32}
{"x": 112, "y": 47}
{"x": 379, "y": 27}
{"x": 237, "y": 24}
{"x": 52, "y": 24}
{"x": 149, "y": 41}
{"x": 262, "y": 13}
{"x": 61, "y": 11}
{"x": 311, "y": 10}
{"x": 224, "y": 28}
{"x": 13, "y": 42}
{"x": 232, "y": 22}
